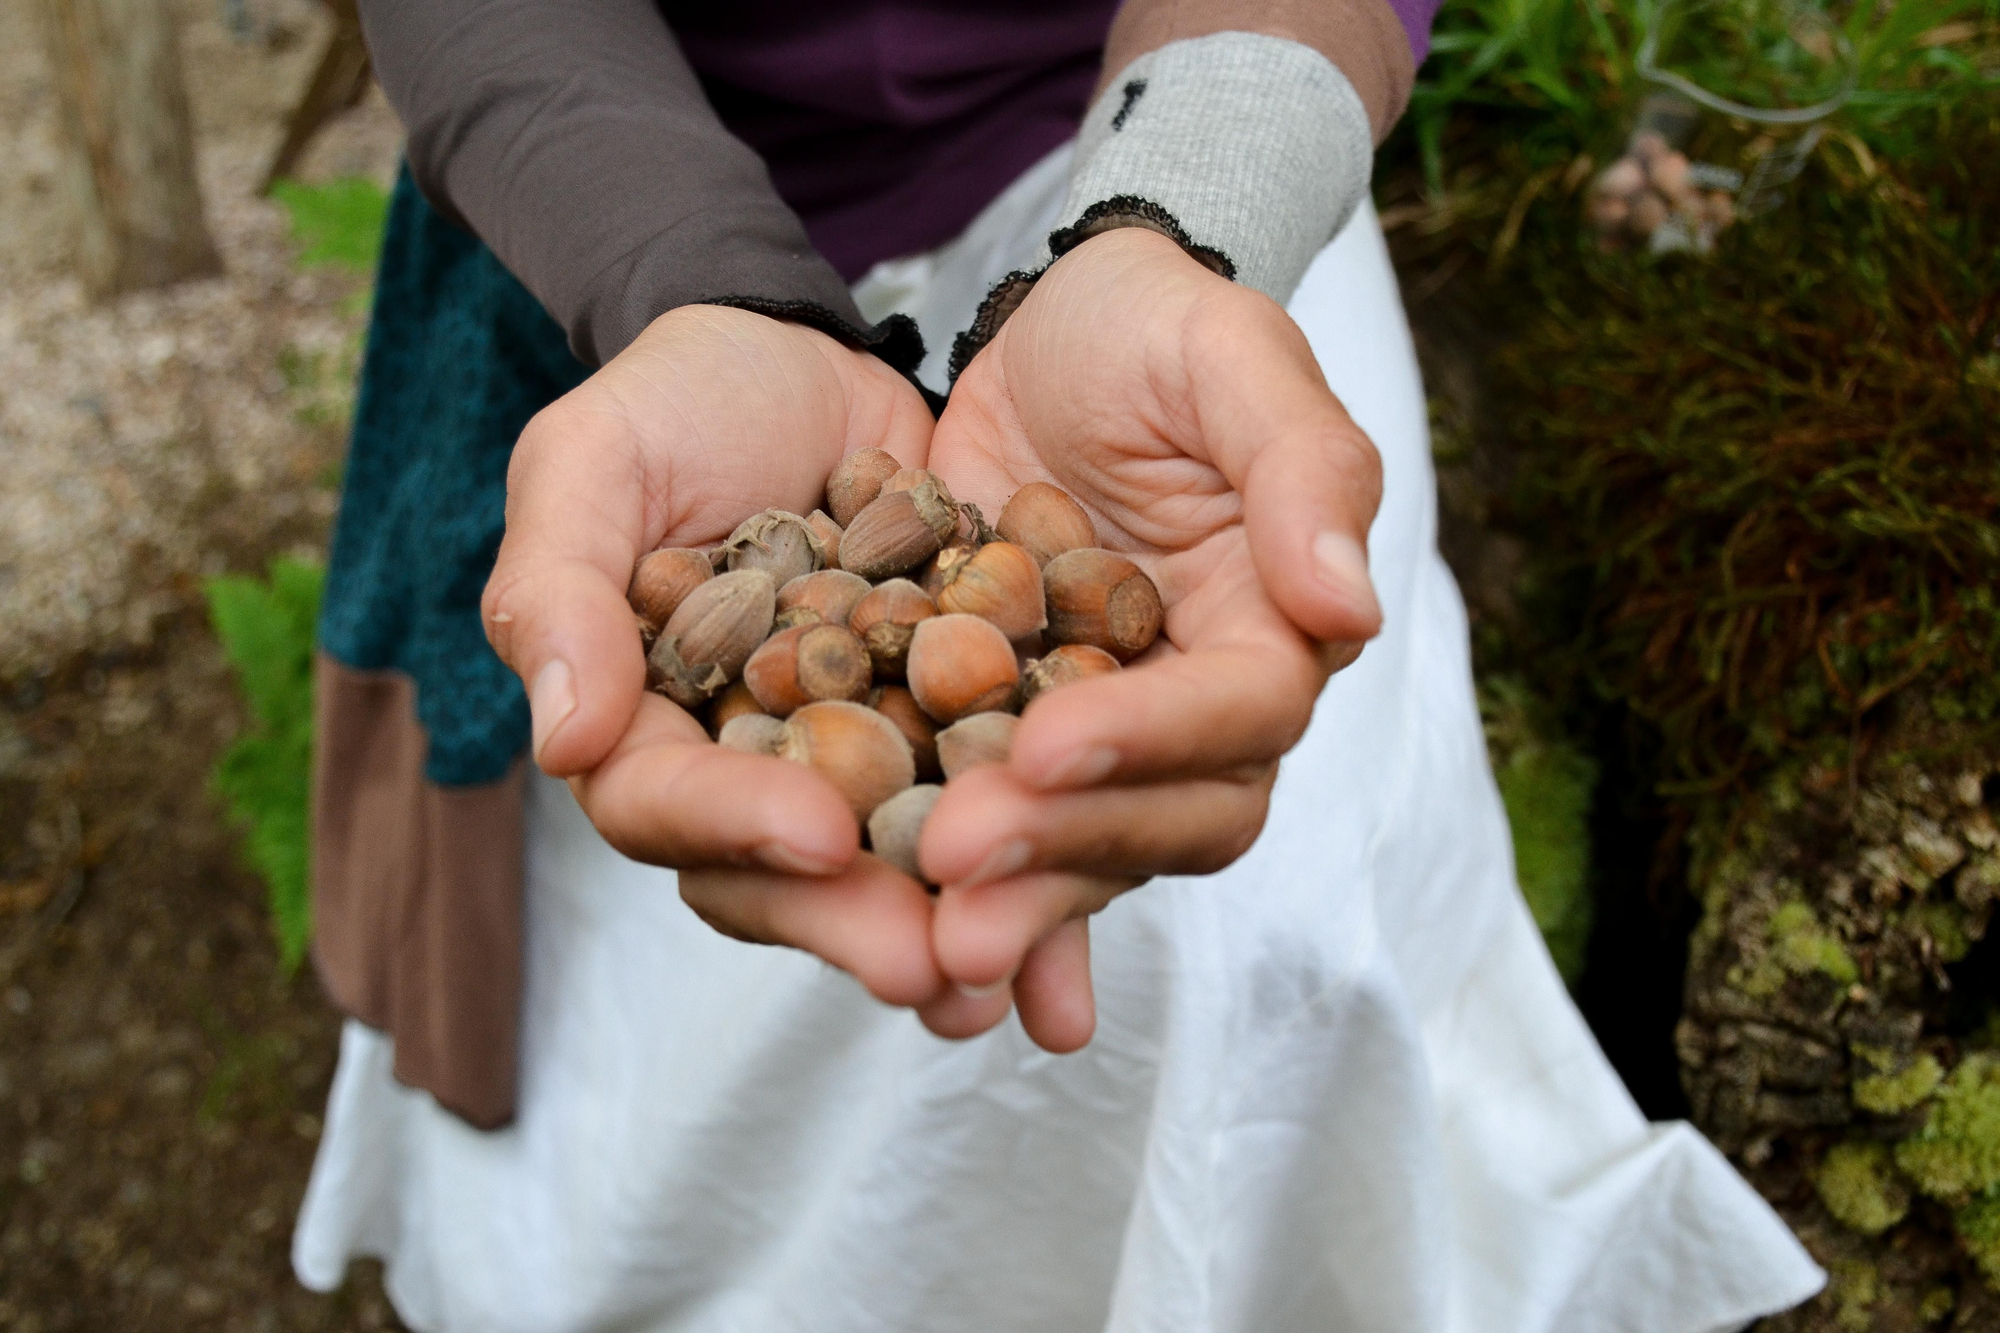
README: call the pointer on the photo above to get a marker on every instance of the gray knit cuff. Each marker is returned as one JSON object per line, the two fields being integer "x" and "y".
{"x": 1250, "y": 151}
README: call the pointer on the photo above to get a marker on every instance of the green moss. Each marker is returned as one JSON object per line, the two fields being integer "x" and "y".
{"x": 1978, "y": 1226}
{"x": 1801, "y": 945}
{"x": 1545, "y": 783}
{"x": 1855, "y": 1288}
{"x": 1858, "y": 1184}
{"x": 1945, "y": 924}
{"x": 1895, "y": 1093}
{"x": 337, "y": 223}
{"x": 1957, "y": 1153}
{"x": 1937, "y": 1304}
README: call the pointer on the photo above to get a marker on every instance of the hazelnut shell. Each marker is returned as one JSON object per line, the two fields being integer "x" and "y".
{"x": 661, "y": 582}
{"x": 781, "y": 544}
{"x": 898, "y": 531}
{"x": 856, "y": 481}
{"x": 1000, "y": 583}
{"x": 753, "y": 733}
{"x": 798, "y": 666}
{"x": 1066, "y": 663}
{"x": 896, "y": 703}
{"x": 960, "y": 665}
{"x": 885, "y": 620}
{"x": 1044, "y": 521}
{"x": 980, "y": 738}
{"x": 710, "y": 635}
{"x": 855, "y": 748}
{"x": 1100, "y": 598}
{"x": 897, "y": 826}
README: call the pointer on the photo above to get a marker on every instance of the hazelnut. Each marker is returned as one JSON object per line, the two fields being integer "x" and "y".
{"x": 827, "y": 597}
{"x": 897, "y": 826}
{"x": 1001, "y": 583}
{"x": 896, "y": 703}
{"x": 855, "y": 748}
{"x": 829, "y": 534}
{"x": 1072, "y": 661}
{"x": 856, "y": 481}
{"x": 662, "y": 580}
{"x": 885, "y": 620}
{"x": 1044, "y": 521}
{"x": 797, "y": 666}
{"x": 905, "y": 479}
{"x": 1647, "y": 145}
{"x": 899, "y": 531}
{"x": 1608, "y": 212}
{"x": 960, "y": 665}
{"x": 710, "y": 635}
{"x": 931, "y": 578}
{"x": 753, "y": 733}
{"x": 733, "y": 702}
{"x": 783, "y": 545}
{"x": 1721, "y": 208}
{"x": 981, "y": 738}
{"x": 1100, "y": 598}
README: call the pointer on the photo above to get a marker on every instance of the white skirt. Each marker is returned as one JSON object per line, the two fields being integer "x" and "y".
{"x": 1337, "y": 1086}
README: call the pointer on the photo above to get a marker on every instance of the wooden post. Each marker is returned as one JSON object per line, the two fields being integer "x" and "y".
{"x": 129, "y": 172}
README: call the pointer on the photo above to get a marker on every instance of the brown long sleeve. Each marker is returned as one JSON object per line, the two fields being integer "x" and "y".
{"x": 575, "y": 140}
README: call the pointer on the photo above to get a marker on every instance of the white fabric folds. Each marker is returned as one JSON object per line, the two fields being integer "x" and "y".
{"x": 1257, "y": 146}
{"x": 1337, "y": 1087}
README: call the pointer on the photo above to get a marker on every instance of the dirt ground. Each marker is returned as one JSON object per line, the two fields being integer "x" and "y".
{"x": 160, "y": 1081}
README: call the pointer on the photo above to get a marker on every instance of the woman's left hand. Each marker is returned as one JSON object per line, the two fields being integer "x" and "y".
{"x": 1189, "y": 417}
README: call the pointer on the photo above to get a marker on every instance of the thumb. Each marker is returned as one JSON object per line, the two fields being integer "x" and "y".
{"x": 554, "y": 607}
{"x": 1310, "y": 479}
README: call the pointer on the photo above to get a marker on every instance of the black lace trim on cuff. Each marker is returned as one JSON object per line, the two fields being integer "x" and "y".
{"x": 1124, "y": 210}
{"x": 895, "y": 340}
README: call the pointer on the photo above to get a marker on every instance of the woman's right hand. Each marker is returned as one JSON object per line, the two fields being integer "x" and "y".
{"x": 711, "y": 414}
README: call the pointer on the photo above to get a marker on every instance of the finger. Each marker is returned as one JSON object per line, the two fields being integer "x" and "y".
{"x": 981, "y": 933}
{"x": 1311, "y": 480}
{"x": 669, "y": 796}
{"x": 958, "y": 1012}
{"x": 871, "y": 921}
{"x": 1187, "y": 716}
{"x": 1053, "y": 991}
{"x": 554, "y": 606}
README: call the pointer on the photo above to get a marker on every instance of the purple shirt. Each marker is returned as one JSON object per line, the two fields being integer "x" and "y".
{"x": 888, "y": 124}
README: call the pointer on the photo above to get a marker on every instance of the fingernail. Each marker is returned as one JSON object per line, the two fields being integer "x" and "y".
{"x": 551, "y": 699}
{"x": 1089, "y": 765}
{"x": 1343, "y": 567}
{"x": 792, "y": 861}
{"x": 985, "y": 992}
{"x": 1006, "y": 859}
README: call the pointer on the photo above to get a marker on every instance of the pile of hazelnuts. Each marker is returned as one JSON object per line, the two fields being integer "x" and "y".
{"x": 1652, "y": 183}
{"x": 890, "y": 640}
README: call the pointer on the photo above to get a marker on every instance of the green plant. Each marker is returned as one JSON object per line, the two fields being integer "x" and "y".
{"x": 338, "y": 223}
{"x": 267, "y": 633}
{"x": 1545, "y": 783}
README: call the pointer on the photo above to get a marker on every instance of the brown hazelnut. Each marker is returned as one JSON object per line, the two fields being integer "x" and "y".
{"x": 1044, "y": 521}
{"x": 856, "y": 481}
{"x": 885, "y": 619}
{"x": 905, "y": 479}
{"x": 855, "y": 748}
{"x": 710, "y": 635}
{"x": 753, "y": 733}
{"x": 783, "y": 545}
{"x": 733, "y": 702}
{"x": 898, "y": 531}
{"x": 896, "y": 703}
{"x": 797, "y": 666}
{"x": 931, "y": 578}
{"x": 897, "y": 826}
{"x": 1669, "y": 174}
{"x": 960, "y": 665}
{"x": 1621, "y": 179}
{"x": 662, "y": 580}
{"x": 829, "y": 534}
{"x": 1608, "y": 211}
{"x": 980, "y": 738}
{"x": 1071, "y": 661}
{"x": 1001, "y": 583}
{"x": 827, "y": 596}
{"x": 1100, "y": 598}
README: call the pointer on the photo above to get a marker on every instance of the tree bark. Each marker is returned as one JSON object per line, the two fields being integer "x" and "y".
{"x": 129, "y": 174}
